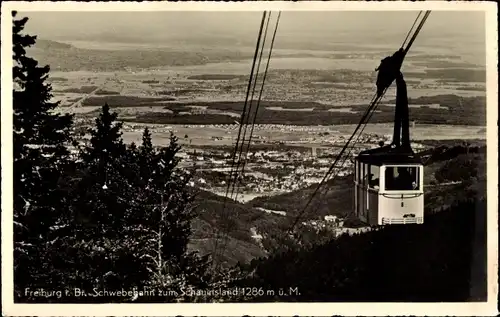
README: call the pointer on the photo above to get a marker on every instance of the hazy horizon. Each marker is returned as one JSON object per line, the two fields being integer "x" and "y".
{"x": 459, "y": 29}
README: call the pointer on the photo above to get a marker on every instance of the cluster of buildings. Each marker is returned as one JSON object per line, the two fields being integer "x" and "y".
{"x": 269, "y": 172}
{"x": 265, "y": 171}
{"x": 330, "y": 223}
{"x": 272, "y": 171}
{"x": 335, "y": 224}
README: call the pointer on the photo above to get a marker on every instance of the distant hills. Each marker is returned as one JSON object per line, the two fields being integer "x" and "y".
{"x": 65, "y": 57}
{"x": 61, "y": 56}
{"x": 52, "y": 45}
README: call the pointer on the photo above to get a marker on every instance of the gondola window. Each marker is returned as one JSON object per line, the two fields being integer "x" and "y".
{"x": 402, "y": 178}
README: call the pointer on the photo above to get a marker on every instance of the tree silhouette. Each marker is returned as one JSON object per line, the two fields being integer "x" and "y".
{"x": 40, "y": 140}
{"x": 102, "y": 194}
{"x": 115, "y": 217}
{"x": 165, "y": 211}
{"x": 146, "y": 155}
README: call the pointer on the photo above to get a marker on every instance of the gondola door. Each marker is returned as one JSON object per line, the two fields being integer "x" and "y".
{"x": 356, "y": 178}
{"x": 366, "y": 184}
{"x": 363, "y": 192}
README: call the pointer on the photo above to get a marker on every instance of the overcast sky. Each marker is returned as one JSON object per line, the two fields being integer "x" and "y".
{"x": 68, "y": 23}
{"x": 466, "y": 26}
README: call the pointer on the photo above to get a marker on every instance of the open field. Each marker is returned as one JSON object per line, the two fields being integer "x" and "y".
{"x": 303, "y": 87}
{"x": 312, "y": 74}
{"x": 338, "y": 88}
{"x": 204, "y": 135}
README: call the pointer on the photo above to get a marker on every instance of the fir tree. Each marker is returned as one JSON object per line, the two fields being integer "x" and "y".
{"x": 167, "y": 191}
{"x": 135, "y": 207}
{"x": 104, "y": 190}
{"x": 106, "y": 141}
{"x": 165, "y": 211}
{"x": 146, "y": 155}
{"x": 40, "y": 139}
{"x": 41, "y": 136}
{"x": 147, "y": 144}
{"x": 132, "y": 165}
{"x": 108, "y": 240}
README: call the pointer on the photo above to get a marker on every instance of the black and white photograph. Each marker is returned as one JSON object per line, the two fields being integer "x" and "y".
{"x": 277, "y": 155}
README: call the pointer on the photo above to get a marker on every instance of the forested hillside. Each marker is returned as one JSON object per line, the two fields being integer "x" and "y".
{"x": 442, "y": 260}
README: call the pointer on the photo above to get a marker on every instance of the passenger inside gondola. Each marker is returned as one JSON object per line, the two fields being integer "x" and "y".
{"x": 370, "y": 180}
{"x": 401, "y": 178}
{"x": 404, "y": 180}
{"x": 373, "y": 182}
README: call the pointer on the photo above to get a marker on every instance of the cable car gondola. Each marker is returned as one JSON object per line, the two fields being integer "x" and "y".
{"x": 388, "y": 180}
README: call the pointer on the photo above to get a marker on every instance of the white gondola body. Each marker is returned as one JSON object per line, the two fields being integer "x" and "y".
{"x": 382, "y": 204}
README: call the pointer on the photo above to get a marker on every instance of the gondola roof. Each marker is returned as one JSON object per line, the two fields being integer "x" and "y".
{"x": 389, "y": 155}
